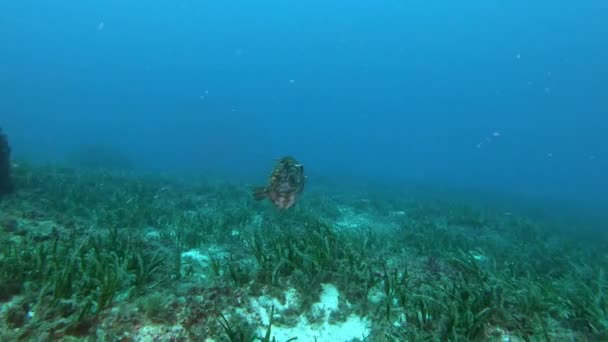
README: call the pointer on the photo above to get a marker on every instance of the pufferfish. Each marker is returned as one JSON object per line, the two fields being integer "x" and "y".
{"x": 285, "y": 184}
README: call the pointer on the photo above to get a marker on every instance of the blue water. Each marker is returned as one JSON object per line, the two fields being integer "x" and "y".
{"x": 507, "y": 96}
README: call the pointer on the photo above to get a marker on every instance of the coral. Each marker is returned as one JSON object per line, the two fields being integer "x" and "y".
{"x": 6, "y": 182}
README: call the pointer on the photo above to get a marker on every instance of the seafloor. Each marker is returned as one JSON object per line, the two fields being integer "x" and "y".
{"x": 113, "y": 256}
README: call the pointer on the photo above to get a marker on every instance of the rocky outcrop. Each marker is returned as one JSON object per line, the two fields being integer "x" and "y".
{"x": 6, "y": 182}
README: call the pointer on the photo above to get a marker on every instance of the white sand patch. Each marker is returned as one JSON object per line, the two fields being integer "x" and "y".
{"x": 153, "y": 333}
{"x": 353, "y": 328}
{"x": 330, "y": 298}
{"x": 202, "y": 256}
{"x": 152, "y": 234}
{"x": 351, "y": 220}
{"x": 195, "y": 255}
{"x": 263, "y": 304}
{"x": 197, "y": 262}
{"x": 376, "y": 295}
{"x": 397, "y": 213}
{"x": 257, "y": 220}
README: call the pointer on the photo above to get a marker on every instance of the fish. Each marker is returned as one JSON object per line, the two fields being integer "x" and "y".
{"x": 285, "y": 184}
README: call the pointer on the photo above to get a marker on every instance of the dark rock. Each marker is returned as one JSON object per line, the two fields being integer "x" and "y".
{"x": 16, "y": 317}
{"x": 6, "y": 182}
{"x": 9, "y": 288}
{"x": 9, "y": 224}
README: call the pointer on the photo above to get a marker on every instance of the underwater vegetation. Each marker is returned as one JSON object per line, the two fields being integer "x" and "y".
{"x": 100, "y": 255}
{"x": 6, "y": 182}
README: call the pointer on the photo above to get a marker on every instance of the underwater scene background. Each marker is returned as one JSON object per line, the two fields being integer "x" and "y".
{"x": 455, "y": 157}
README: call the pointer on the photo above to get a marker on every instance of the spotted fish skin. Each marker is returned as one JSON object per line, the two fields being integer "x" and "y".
{"x": 285, "y": 184}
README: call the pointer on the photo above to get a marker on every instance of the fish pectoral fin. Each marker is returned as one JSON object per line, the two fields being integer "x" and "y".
{"x": 259, "y": 193}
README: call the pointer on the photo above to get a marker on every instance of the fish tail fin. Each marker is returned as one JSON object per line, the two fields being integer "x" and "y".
{"x": 259, "y": 193}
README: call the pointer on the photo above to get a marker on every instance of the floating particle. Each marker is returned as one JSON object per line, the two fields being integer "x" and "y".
{"x": 100, "y": 26}
{"x": 550, "y": 155}
{"x": 518, "y": 56}
{"x": 292, "y": 81}
{"x": 496, "y": 134}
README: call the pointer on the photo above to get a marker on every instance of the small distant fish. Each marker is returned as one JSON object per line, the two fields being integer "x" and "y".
{"x": 285, "y": 184}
